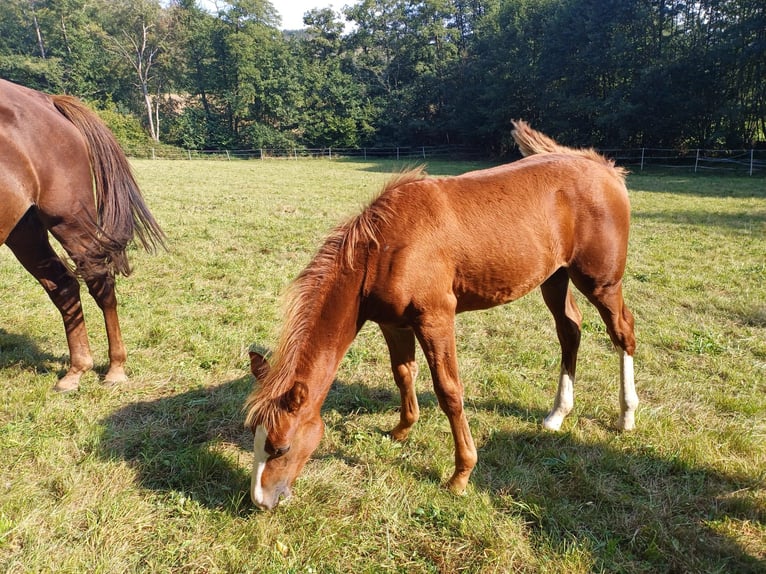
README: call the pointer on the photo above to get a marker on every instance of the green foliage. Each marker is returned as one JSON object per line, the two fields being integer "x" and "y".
{"x": 44, "y": 75}
{"x": 407, "y": 72}
{"x": 125, "y": 127}
{"x": 257, "y": 135}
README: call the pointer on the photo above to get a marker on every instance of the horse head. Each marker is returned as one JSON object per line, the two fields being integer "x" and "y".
{"x": 285, "y": 433}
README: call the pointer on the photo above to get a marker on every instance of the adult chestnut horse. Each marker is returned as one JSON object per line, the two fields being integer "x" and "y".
{"x": 423, "y": 251}
{"x": 53, "y": 152}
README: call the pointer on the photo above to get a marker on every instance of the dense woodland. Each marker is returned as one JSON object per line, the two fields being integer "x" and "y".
{"x": 417, "y": 72}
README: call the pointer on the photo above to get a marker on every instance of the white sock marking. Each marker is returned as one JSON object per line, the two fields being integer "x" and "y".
{"x": 562, "y": 404}
{"x": 628, "y": 395}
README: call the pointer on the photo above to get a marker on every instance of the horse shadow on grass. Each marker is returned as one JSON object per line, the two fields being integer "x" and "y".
{"x": 633, "y": 507}
{"x": 630, "y": 505}
{"x": 22, "y": 351}
{"x": 192, "y": 443}
{"x": 188, "y": 443}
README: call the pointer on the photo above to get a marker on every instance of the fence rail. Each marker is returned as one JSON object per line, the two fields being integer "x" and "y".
{"x": 744, "y": 161}
{"x": 750, "y": 161}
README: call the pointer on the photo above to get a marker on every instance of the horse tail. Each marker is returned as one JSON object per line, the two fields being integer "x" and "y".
{"x": 122, "y": 213}
{"x": 532, "y": 142}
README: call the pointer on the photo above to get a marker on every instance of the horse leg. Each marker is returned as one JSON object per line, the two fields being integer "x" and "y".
{"x": 619, "y": 324}
{"x": 29, "y": 243}
{"x": 558, "y": 297}
{"x": 437, "y": 338}
{"x": 100, "y": 282}
{"x": 401, "y": 349}
{"x": 101, "y": 288}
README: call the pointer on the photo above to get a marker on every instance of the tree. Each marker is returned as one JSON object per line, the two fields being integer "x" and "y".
{"x": 138, "y": 29}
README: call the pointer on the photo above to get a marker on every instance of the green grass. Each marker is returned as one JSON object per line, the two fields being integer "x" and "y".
{"x": 152, "y": 476}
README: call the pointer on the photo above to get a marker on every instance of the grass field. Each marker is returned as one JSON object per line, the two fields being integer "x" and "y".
{"x": 153, "y": 476}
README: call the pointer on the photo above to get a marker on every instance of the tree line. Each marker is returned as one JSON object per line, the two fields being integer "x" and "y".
{"x": 674, "y": 73}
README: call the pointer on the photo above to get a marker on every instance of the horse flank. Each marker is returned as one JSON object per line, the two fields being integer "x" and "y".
{"x": 122, "y": 212}
{"x": 338, "y": 252}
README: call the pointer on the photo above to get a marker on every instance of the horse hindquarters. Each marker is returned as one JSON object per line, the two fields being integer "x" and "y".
{"x": 597, "y": 273}
{"x": 29, "y": 243}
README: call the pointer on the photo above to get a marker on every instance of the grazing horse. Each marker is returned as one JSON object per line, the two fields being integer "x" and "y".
{"x": 61, "y": 170}
{"x": 424, "y": 250}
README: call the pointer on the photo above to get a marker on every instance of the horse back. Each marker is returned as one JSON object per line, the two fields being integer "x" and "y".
{"x": 491, "y": 236}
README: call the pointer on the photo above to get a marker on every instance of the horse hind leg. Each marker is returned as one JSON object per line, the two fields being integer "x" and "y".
{"x": 558, "y": 297}
{"x": 101, "y": 285}
{"x": 620, "y": 326}
{"x": 401, "y": 349}
{"x": 29, "y": 243}
{"x": 101, "y": 288}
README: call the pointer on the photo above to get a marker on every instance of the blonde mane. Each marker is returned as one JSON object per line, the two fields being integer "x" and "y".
{"x": 304, "y": 297}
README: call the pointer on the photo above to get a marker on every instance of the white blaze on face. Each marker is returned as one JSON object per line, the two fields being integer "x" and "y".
{"x": 259, "y": 463}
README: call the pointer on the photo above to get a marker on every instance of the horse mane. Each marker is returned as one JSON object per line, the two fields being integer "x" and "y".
{"x": 303, "y": 299}
{"x": 532, "y": 142}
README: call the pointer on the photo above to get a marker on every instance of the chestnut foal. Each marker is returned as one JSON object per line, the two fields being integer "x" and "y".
{"x": 424, "y": 250}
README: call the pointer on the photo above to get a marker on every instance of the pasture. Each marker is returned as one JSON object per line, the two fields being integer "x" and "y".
{"x": 152, "y": 475}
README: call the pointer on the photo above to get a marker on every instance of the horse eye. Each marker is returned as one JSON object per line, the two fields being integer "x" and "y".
{"x": 276, "y": 452}
{"x": 281, "y": 451}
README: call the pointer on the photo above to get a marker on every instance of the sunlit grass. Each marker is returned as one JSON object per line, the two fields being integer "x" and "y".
{"x": 153, "y": 476}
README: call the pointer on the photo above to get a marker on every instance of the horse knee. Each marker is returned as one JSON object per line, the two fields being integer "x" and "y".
{"x": 451, "y": 402}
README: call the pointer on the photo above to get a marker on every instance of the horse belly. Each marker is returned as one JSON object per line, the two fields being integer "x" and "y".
{"x": 498, "y": 284}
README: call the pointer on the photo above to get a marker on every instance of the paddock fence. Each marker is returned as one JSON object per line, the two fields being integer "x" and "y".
{"x": 743, "y": 161}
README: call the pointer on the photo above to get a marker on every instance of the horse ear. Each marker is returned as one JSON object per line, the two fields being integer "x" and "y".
{"x": 258, "y": 366}
{"x": 296, "y": 396}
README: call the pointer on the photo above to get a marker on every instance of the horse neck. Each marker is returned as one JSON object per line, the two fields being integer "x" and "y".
{"x": 328, "y": 336}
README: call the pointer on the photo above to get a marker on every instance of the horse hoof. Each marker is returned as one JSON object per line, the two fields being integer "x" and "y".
{"x": 552, "y": 424}
{"x": 114, "y": 376}
{"x": 65, "y": 386}
{"x": 626, "y": 424}
{"x": 399, "y": 435}
{"x": 457, "y": 484}
{"x": 114, "y": 381}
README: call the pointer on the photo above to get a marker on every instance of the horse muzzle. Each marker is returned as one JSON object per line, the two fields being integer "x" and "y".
{"x": 269, "y": 500}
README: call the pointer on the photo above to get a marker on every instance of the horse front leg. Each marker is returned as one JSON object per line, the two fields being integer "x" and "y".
{"x": 401, "y": 349}
{"x": 29, "y": 243}
{"x": 438, "y": 342}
